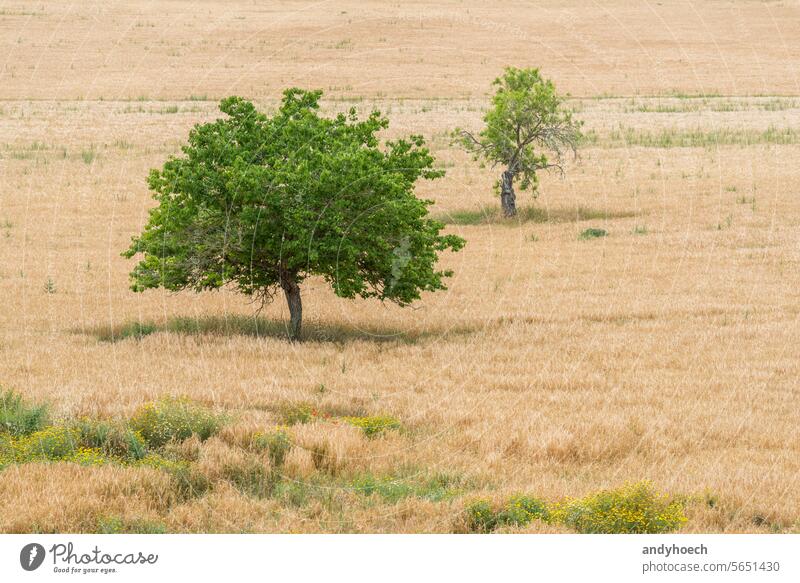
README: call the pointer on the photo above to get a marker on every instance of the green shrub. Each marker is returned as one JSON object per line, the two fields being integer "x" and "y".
{"x": 631, "y": 509}
{"x": 481, "y": 517}
{"x": 19, "y": 418}
{"x": 592, "y": 233}
{"x": 174, "y": 419}
{"x": 277, "y": 444}
{"x": 113, "y": 439}
{"x": 520, "y": 510}
{"x": 374, "y": 425}
{"x": 53, "y": 443}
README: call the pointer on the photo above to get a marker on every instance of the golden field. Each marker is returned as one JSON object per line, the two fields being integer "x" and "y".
{"x": 553, "y": 366}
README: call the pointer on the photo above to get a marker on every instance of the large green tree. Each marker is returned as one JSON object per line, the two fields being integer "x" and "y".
{"x": 527, "y": 129}
{"x": 264, "y": 202}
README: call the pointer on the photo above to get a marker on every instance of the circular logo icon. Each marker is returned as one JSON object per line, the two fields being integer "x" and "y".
{"x": 31, "y": 556}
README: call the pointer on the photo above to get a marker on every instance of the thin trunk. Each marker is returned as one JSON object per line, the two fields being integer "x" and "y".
{"x": 508, "y": 199}
{"x": 292, "y": 292}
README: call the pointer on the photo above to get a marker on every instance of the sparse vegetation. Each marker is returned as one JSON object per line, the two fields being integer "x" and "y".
{"x": 17, "y": 417}
{"x": 632, "y": 509}
{"x": 174, "y": 419}
{"x": 592, "y": 233}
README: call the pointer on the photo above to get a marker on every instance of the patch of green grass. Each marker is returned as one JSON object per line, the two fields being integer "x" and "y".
{"x": 172, "y": 419}
{"x": 392, "y": 489}
{"x": 134, "y": 330}
{"x": 532, "y": 215}
{"x": 698, "y": 138}
{"x": 592, "y": 233}
{"x": 257, "y": 327}
{"x": 88, "y": 156}
{"x": 113, "y": 439}
{"x": 18, "y": 417}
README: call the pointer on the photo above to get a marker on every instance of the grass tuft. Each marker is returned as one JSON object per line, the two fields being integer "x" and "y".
{"x": 592, "y": 233}
{"x": 171, "y": 419}
{"x": 18, "y": 417}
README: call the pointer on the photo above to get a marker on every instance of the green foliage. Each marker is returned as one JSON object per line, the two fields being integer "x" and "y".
{"x": 631, "y": 509}
{"x": 112, "y": 439}
{"x": 374, "y": 426}
{"x": 52, "y": 443}
{"x": 18, "y": 417}
{"x": 481, "y": 517}
{"x": 264, "y": 202}
{"x": 526, "y": 123}
{"x": 174, "y": 419}
{"x": 520, "y": 510}
{"x": 276, "y": 443}
{"x": 88, "y": 156}
{"x": 533, "y": 214}
{"x": 395, "y": 488}
{"x": 592, "y": 233}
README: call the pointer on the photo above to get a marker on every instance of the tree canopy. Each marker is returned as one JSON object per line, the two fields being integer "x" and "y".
{"x": 264, "y": 202}
{"x": 527, "y": 129}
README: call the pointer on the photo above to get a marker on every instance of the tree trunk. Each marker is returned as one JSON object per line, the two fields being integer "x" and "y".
{"x": 507, "y": 197}
{"x": 292, "y": 292}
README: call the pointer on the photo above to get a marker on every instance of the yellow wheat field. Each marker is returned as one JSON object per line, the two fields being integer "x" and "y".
{"x": 554, "y": 366}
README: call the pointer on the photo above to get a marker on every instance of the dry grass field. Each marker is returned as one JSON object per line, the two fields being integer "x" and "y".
{"x": 552, "y": 366}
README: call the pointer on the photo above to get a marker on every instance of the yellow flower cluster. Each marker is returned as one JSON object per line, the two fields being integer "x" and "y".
{"x": 632, "y": 509}
{"x": 374, "y": 425}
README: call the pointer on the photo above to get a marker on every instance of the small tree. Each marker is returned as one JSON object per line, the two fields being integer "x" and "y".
{"x": 526, "y": 122}
{"x": 264, "y": 202}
